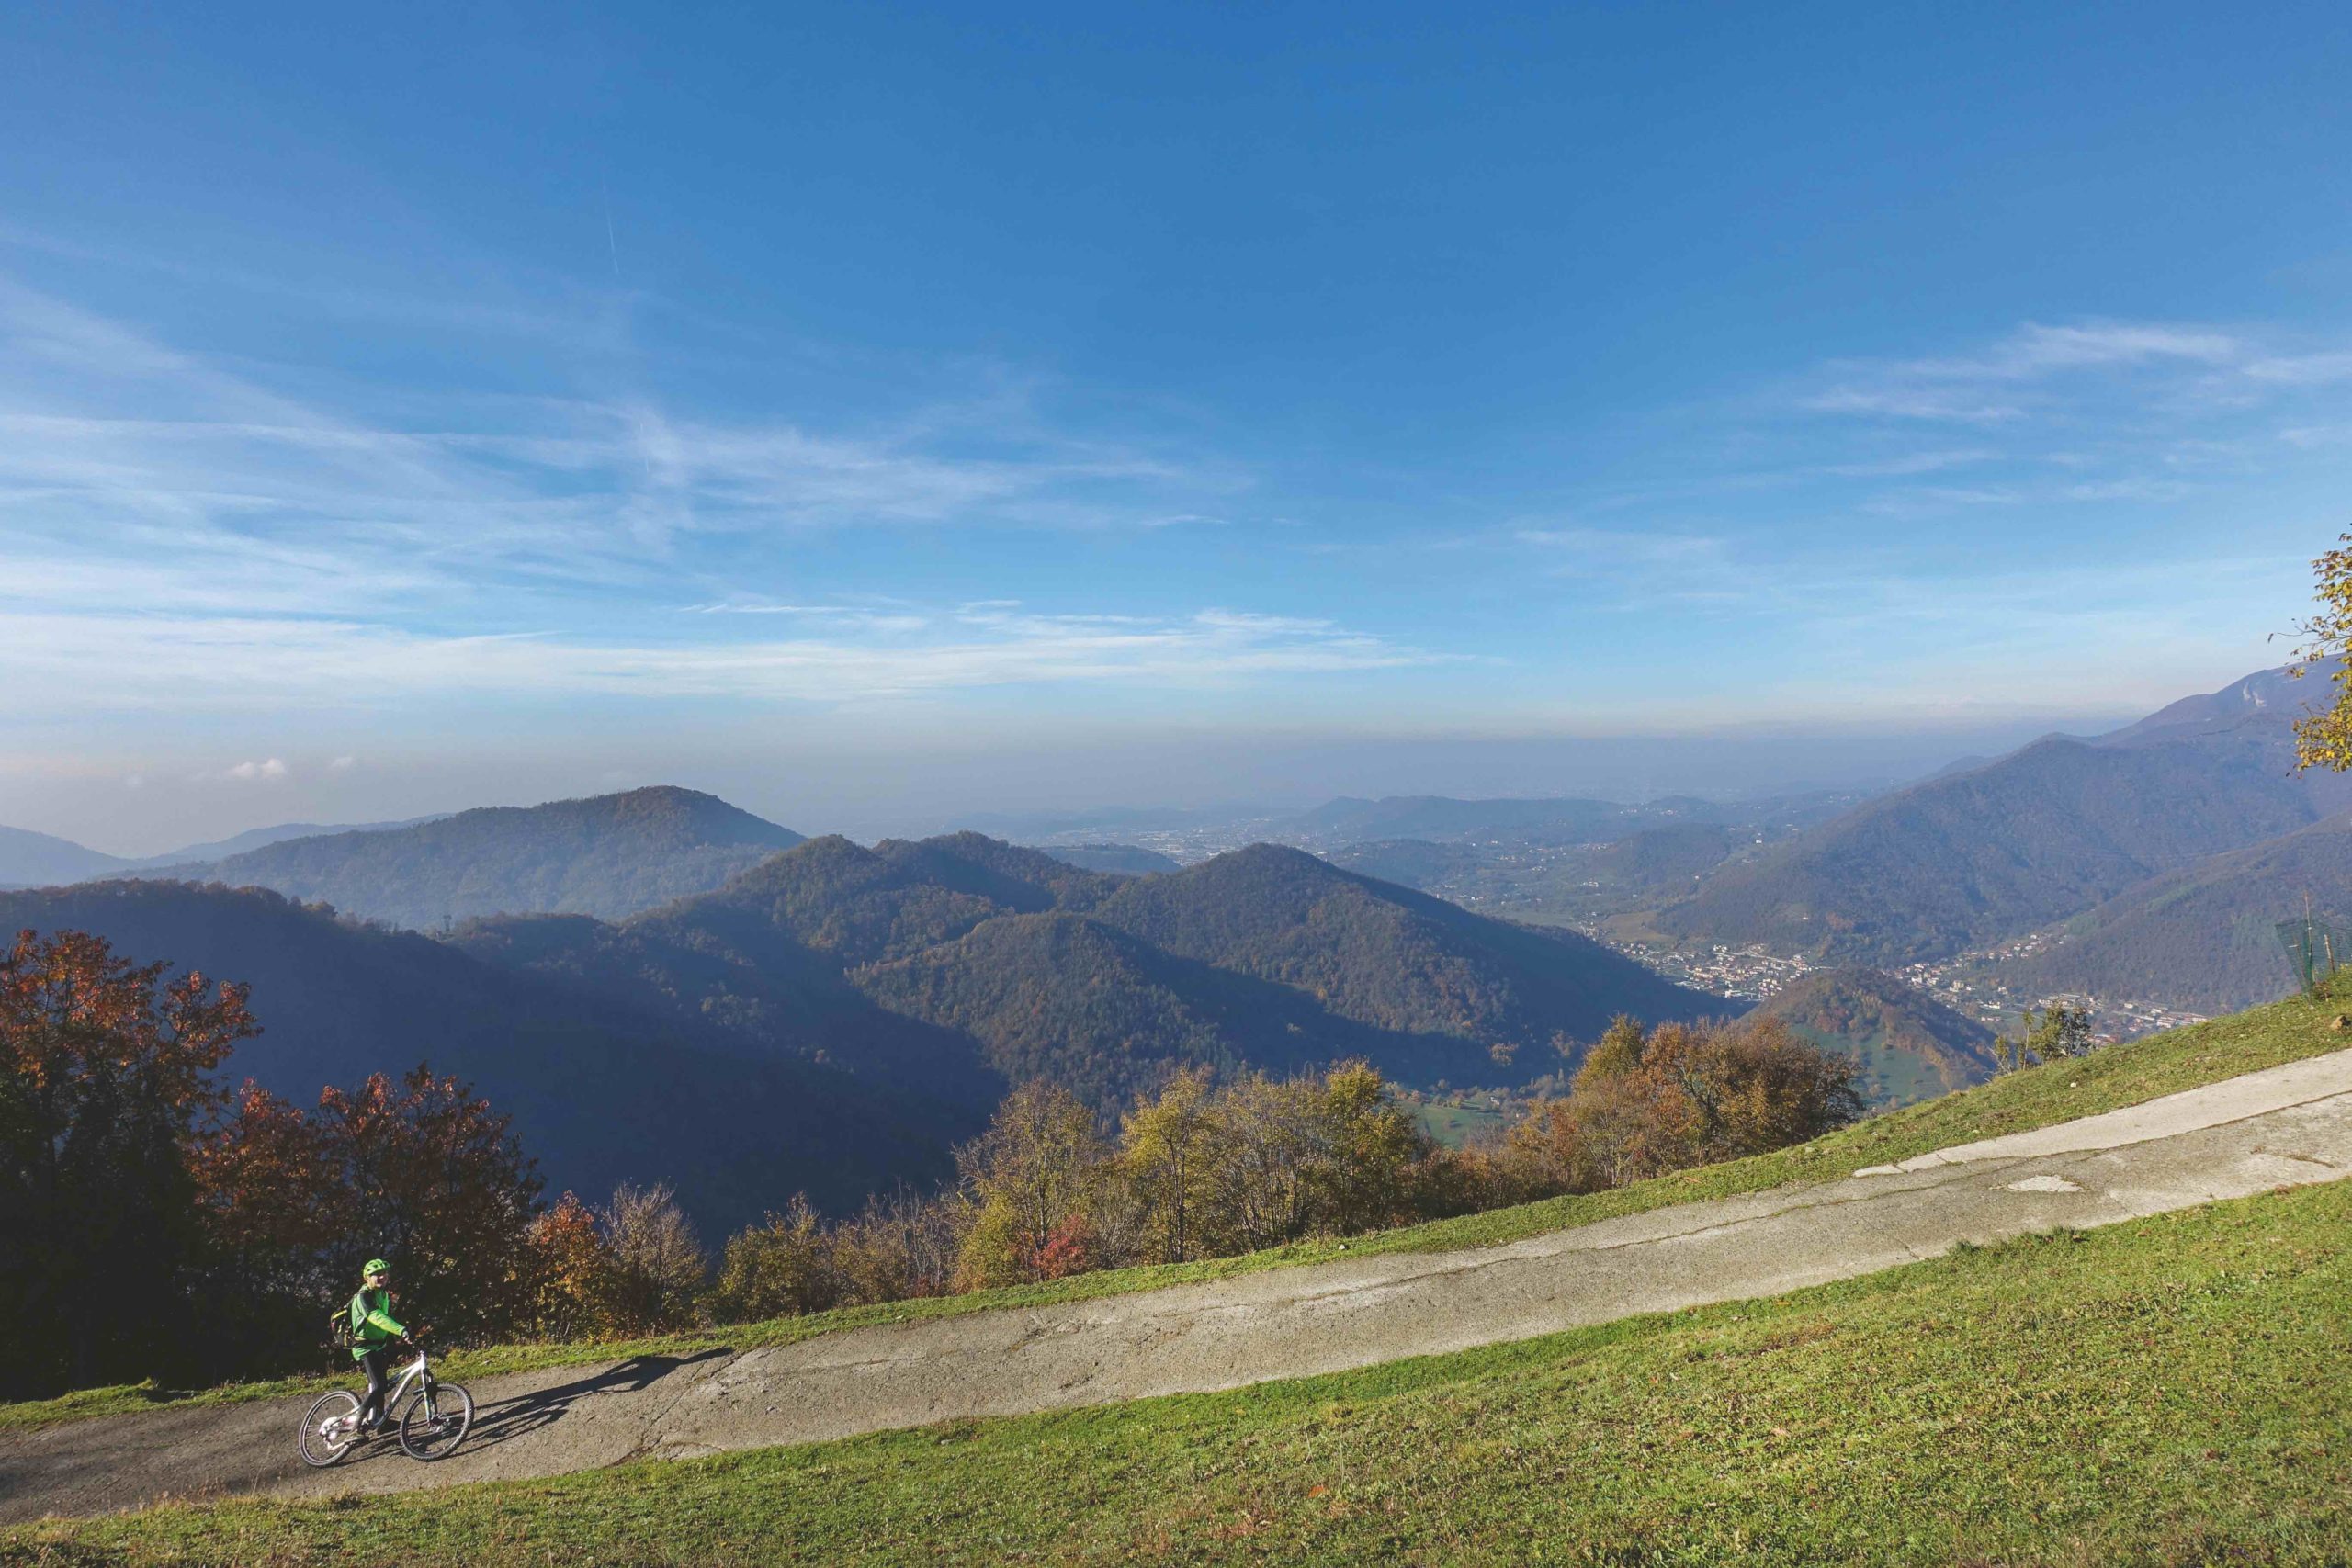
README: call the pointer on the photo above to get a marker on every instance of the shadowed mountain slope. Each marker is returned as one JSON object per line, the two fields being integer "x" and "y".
{"x": 2203, "y": 937}
{"x": 998, "y": 960}
{"x": 860, "y": 905}
{"x": 601, "y": 1089}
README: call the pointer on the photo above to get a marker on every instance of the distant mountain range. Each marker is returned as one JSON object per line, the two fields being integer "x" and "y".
{"x": 609, "y": 856}
{"x": 1910, "y": 1046}
{"x": 834, "y": 1018}
{"x": 277, "y": 833}
{"x": 1125, "y": 860}
{"x": 1999, "y": 850}
{"x": 37, "y": 860}
{"x": 1349, "y": 822}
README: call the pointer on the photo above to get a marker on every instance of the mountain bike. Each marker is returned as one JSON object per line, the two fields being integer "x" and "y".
{"x": 431, "y": 1425}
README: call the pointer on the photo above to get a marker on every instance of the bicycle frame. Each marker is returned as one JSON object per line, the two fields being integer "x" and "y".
{"x": 415, "y": 1369}
{"x": 418, "y": 1369}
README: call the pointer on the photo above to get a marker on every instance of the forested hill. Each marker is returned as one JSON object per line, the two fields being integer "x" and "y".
{"x": 2204, "y": 937}
{"x": 608, "y": 855}
{"x": 1911, "y": 1046}
{"x": 1388, "y": 956}
{"x": 1265, "y": 958}
{"x": 603, "y": 1085}
{"x": 1969, "y": 858}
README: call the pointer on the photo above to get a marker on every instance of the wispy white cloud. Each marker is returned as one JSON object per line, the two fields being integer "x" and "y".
{"x": 98, "y": 661}
{"x": 2039, "y": 370}
{"x": 134, "y": 473}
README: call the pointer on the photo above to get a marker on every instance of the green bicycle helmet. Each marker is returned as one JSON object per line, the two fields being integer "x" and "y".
{"x": 375, "y": 1266}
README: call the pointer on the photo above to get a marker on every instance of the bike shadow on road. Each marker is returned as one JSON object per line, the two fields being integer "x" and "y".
{"x": 511, "y": 1418}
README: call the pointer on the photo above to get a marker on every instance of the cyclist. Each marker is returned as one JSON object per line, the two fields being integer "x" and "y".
{"x": 373, "y": 1331}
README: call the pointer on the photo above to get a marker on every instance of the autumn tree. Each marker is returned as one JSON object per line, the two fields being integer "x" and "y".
{"x": 1644, "y": 1103}
{"x": 2324, "y": 737}
{"x": 570, "y": 1273}
{"x": 900, "y": 1245}
{"x": 2062, "y": 1029}
{"x": 269, "y": 1197}
{"x": 659, "y": 1267}
{"x": 1172, "y": 1146}
{"x": 785, "y": 1265}
{"x": 1272, "y": 1145}
{"x": 1039, "y": 1162}
{"x": 1373, "y": 1146}
{"x": 427, "y": 1175}
{"x": 104, "y": 1082}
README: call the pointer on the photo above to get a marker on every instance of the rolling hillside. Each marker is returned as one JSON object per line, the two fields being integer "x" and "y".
{"x": 609, "y": 856}
{"x": 1390, "y": 957}
{"x": 1062, "y": 996}
{"x": 2036, "y": 837}
{"x": 1266, "y": 958}
{"x": 1911, "y": 1046}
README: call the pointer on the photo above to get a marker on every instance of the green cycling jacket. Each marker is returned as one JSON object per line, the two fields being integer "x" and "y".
{"x": 372, "y": 1323}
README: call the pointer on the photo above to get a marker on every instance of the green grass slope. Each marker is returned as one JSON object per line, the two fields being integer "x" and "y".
{"x": 2039, "y": 1097}
{"x": 2162, "y": 1392}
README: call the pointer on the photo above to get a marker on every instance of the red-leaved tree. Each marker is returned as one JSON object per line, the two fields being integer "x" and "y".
{"x": 103, "y": 1081}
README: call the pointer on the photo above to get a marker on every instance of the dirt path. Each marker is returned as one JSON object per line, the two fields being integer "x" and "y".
{"x": 2289, "y": 1125}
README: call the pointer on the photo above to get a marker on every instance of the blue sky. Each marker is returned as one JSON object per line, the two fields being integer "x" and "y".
{"x": 869, "y": 412}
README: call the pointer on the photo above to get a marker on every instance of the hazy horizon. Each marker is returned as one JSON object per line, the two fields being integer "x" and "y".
{"x": 867, "y": 798}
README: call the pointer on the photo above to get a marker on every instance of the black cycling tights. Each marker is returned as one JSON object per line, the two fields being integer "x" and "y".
{"x": 371, "y": 1409}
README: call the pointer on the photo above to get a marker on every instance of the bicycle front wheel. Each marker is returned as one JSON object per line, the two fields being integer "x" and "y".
{"x": 436, "y": 1421}
{"x": 329, "y": 1428}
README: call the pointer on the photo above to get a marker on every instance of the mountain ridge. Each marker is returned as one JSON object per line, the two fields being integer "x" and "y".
{"x": 1958, "y": 860}
{"x": 607, "y": 855}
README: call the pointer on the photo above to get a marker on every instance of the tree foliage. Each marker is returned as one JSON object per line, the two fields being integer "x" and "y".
{"x": 657, "y": 1267}
{"x": 2324, "y": 738}
{"x": 103, "y": 1081}
{"x": 1649, "y": 1102}
{"x": 156, "y": 1225}
{"x": 2062, "y": 1029}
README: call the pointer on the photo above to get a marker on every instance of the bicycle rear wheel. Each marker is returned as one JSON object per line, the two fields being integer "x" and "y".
{"x": 322, "y": 1444}
{"x": 436, "y": 1421}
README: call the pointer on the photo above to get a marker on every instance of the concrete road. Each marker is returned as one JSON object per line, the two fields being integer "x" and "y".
{"x": 2286, "y": 1126}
